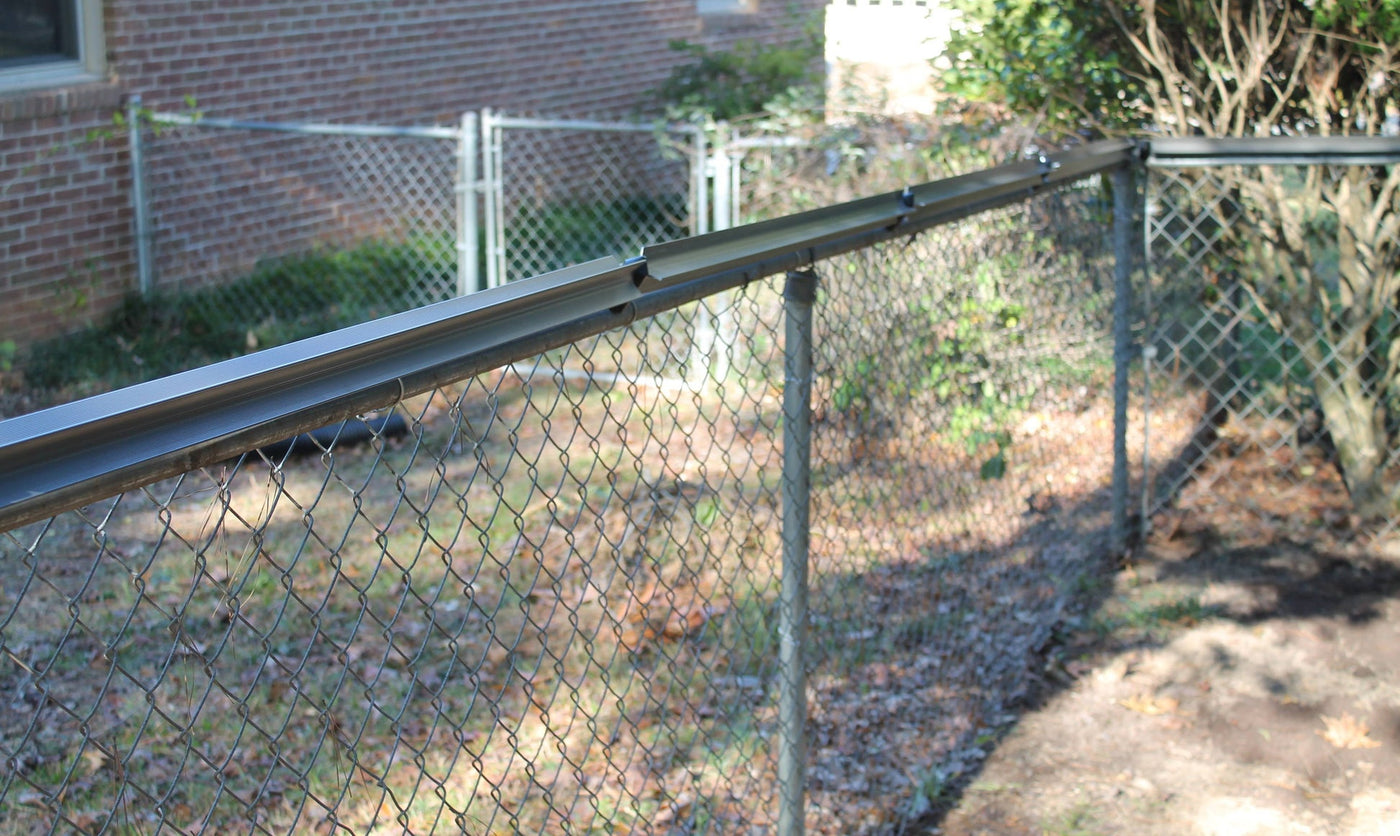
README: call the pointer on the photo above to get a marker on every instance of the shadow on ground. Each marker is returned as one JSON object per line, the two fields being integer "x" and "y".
{"x": 1234, "y": 677}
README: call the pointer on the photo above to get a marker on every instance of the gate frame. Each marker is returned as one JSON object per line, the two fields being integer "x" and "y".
{"x": 493, "y": 128}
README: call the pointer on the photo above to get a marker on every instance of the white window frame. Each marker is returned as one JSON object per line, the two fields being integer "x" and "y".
{"x": 90, "y": 65}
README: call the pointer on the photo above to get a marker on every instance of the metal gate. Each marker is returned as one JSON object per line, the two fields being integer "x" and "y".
{"x": 559, "y": 192}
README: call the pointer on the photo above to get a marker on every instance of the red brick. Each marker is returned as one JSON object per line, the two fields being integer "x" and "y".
{"x": 412, "y": 62}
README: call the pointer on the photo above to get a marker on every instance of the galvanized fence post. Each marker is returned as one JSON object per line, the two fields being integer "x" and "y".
{"x": 1123, "y": 194}
{"x": 699, "y": 182}
{"x": 715, "y": 175}
{"x": 140, "y": 209}
{"x": 468, "y": 276}
{"x": 719, "y": 167}
{"x": 799, "y": 295}
{"x": 494, "y": 198}
{"x": 1148, "y": 350}
{"x": 1149, "y": 356}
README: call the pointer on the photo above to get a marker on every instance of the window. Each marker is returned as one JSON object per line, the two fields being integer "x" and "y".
{"x": 726, "y": 7}
{"x": 46, "y": 43}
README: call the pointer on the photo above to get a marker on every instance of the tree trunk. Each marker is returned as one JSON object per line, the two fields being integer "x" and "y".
{"x": 1336, "y": 320}
{"x": 1354, "y": 415}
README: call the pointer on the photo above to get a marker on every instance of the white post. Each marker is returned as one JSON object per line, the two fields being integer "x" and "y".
{"x": 492, "y": 188}
{"x": 699, "y": 183}
{"x": 468, "y": 278}
{"x": 736, "y": 161}
{"x": 719, "y": 171}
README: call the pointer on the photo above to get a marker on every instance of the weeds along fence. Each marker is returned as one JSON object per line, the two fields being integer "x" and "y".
{"x": 1271, "y": 329}
{"x": 550, "y": 565}
{"x": 221, "y": 199}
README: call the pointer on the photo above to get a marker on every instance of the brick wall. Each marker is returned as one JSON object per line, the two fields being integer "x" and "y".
{"x": 65, "y": 227}
{"x": 66, "y": 247}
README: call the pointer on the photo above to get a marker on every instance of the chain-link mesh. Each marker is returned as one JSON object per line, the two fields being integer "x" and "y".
{"x": 573, "y": 191}
{"x": 546, "y": 605}
{"x": 277, "y": 228}
{"x": 545, "y": 599}
{"x": 962, "y": 454}
{"x": 789, "y": 168}
{"x": 1272, "y": 315}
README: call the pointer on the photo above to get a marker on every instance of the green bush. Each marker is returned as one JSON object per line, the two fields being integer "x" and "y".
{"x": 744, "y": 81}
{"x": 572, "y": 232}
{"x": 279, "y": 301}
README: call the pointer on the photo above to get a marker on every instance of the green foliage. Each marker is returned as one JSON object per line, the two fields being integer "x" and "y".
{"x": 960, "y": 374}
{"x": 955, "y": 342}
{"x": 1375, "y": 21}
{"x": 852, "y": 395}
{"x": 280, "y": 301}
{"x": 707, "y": 511}
{"x": 1055, "y": 62}
{"x": 145, "y": 118}
{"x": 574, "y": 231}
{"x": 1081, "y": 65}
{"x": 1153, "y": 615}
{"x": 749, "y": 79}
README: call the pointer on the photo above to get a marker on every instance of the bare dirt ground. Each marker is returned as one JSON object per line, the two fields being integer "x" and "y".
{"x": 1236, "y": 676}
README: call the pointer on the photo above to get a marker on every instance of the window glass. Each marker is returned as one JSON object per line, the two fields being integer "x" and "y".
{"x": 37, "y": 31}
{"x": 719, "y": 7}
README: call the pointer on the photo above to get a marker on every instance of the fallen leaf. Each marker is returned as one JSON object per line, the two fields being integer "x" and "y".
{"x": 676, "y": 809}
{"x": 94, "y": 759}
{"x": 1150, "y": 705}
{"x": 631, "y": 639}
{"x": 1346, "y": 732}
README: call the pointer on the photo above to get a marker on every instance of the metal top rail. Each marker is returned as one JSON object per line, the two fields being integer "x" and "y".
{"x": 1187, "y": 151}
{"x": 61, "y": 458}
{"x": 579, "y": 124}
{"x": 307, "y": 127}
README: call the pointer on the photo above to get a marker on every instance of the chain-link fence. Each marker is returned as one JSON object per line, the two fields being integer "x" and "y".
{"x": 285, "y": 221}
{"x": 562, "y": 191}
{"x": 276, "y": 231}
{"x": 550, "y": 578}
{"x": 962, "y": 461}
{"x": 1272, "y": 322}
{"x": 767, "y": 170}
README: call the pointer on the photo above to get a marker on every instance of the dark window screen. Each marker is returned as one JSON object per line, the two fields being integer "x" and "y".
{"x": 35, "y": 31}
